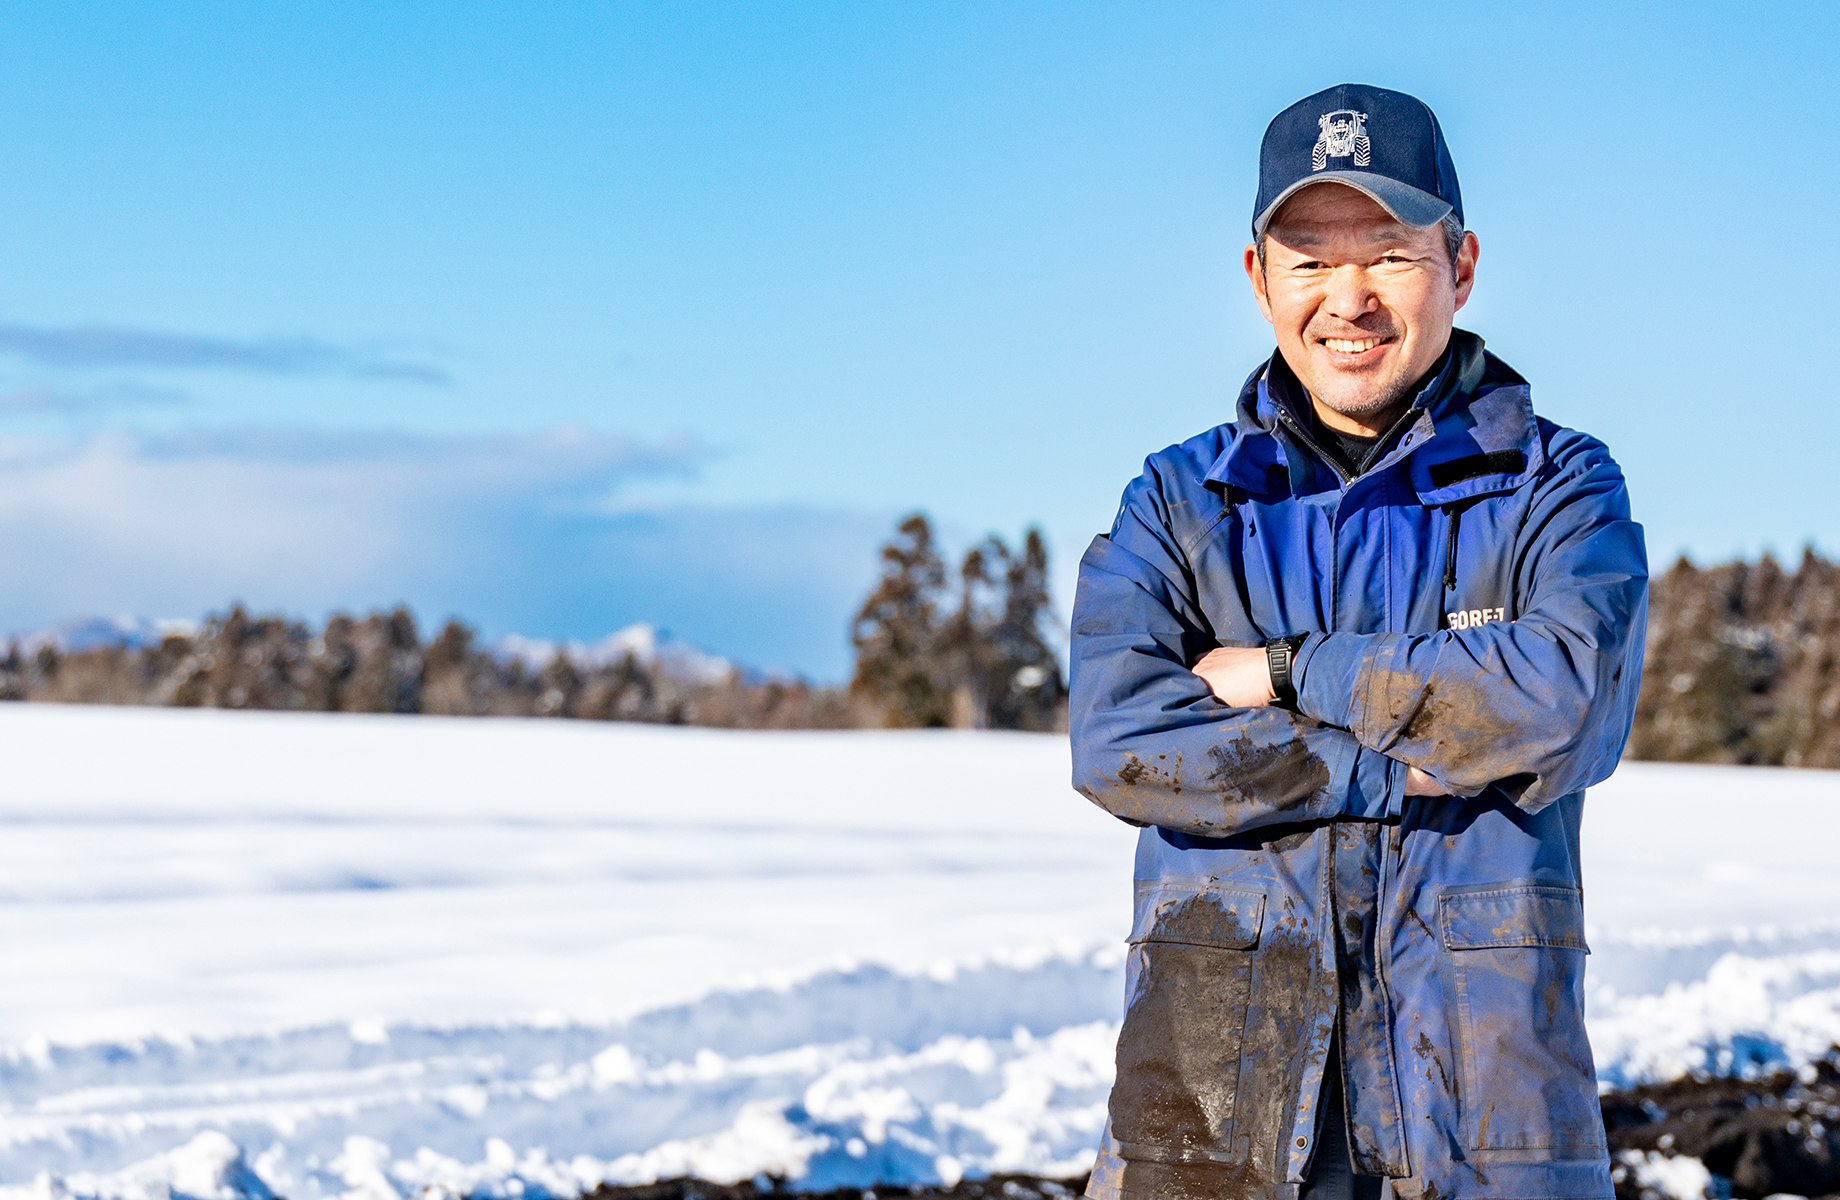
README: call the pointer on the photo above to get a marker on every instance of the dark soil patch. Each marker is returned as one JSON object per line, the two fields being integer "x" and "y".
{"x": 1776, "y": 1134}
{"x": 996, "y": 1187}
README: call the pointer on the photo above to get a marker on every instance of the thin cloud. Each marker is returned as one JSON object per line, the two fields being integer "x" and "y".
{"x": 38, "y": 399}
{"x": 564, "y": 452}
{"x": 113, "y": 346}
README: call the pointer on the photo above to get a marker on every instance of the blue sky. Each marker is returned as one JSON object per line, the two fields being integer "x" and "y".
{"x": 562, "y": 317}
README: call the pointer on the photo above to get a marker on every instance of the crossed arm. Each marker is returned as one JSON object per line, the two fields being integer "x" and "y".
{"x": 1241, "y": 678}
{"x": 1170, "y": 729}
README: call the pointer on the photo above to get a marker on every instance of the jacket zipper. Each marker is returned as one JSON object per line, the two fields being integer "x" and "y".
{"x": 1455, "y": 516}
{"x": 1386, "y": 439}
{"x": 1310, "y": 443}
{"x": 1390, "y": 849}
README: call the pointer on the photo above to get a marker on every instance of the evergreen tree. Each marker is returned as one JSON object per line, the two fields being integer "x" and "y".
{"x": 457, "y": 679}
{"x": 1026, "y": 689}
{"x": 988, "y": 664}
{"x": 967, "y": 656}
{"x": 896, "y": 633}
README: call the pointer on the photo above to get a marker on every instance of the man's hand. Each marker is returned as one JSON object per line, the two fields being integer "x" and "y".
{"x": 1240, "y": 676}
{"x": 1420, "y": 784}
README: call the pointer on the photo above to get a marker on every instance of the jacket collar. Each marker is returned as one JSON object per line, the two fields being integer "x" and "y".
{"x": 1470, "y": 431}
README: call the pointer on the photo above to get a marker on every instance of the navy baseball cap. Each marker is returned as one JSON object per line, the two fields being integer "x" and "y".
{"x": 1385, "y": 144}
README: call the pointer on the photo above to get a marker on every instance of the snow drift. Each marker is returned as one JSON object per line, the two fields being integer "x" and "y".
{"x": 269, "y": 954}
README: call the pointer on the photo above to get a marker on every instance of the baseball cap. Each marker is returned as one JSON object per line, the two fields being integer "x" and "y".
{"x": 1385, "y": 144}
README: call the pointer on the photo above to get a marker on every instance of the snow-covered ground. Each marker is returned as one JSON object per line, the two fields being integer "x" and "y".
{"x": 323, "y": 955}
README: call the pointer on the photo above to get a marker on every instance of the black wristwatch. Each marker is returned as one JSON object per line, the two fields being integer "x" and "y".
{"x": 1278, "y": 654}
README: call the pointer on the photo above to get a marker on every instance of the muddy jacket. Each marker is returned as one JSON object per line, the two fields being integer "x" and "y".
{"x": 1476, "y": 601}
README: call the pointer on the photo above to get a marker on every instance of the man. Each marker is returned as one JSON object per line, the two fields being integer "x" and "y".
{"x": 1350, "y": 661}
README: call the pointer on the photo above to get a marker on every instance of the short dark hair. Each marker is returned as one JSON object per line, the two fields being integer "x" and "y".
{"x": 1453, "y": 241}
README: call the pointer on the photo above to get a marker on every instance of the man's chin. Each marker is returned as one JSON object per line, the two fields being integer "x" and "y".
{"x": 1350, "y": 389}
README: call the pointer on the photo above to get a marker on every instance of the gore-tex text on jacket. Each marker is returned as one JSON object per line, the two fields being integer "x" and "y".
{"x": 1476, "y": 601}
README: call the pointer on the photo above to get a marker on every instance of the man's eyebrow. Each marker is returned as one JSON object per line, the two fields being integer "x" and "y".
{"x": 1307, "y": 236}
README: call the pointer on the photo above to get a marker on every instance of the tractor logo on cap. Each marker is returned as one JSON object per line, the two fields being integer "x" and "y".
{"x": 1344, "y": 132}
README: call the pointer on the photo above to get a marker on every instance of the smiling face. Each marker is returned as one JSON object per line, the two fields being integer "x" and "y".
{"x": 1361, "y": 304}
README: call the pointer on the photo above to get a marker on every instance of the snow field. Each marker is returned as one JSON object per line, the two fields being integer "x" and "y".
{"x": 347, "y": 956}
{"x": 321, "y": 1111}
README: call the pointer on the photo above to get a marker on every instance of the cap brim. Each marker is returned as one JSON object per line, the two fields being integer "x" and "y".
{"x": 1407, "y": 204}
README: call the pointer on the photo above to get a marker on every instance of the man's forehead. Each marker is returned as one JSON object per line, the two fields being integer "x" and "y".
{"x": 1333, "y": 211}
{"x": 1365, "y": 231}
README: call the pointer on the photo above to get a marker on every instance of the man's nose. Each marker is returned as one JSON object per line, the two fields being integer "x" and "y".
{"x": 1350, "y": 293}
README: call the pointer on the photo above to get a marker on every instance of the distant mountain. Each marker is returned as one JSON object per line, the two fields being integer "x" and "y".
{"x": 95, "y": 633}
{"x": 645, "y": 644}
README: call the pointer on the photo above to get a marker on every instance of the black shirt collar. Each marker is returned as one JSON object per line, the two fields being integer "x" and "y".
{"x": 1354, "y": 451}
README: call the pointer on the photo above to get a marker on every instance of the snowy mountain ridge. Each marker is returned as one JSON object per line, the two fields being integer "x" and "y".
{"x": 94, "y": 633}
{"x": 643, "y": 643}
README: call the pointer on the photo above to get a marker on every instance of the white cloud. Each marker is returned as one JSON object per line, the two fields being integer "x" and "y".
{"x": 513, "y": 532}
{"x": 302, "y": 513}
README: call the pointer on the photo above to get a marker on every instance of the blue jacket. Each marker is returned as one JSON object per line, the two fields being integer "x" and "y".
{"x": 1476, "y": 600}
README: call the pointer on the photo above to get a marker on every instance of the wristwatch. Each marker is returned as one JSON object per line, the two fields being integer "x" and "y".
{"x": 1278, "y": 654}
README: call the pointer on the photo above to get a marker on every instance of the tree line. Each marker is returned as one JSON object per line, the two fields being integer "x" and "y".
{"x": 987, "y": 663}
{"x": 379, "y": 664}
{"x": 1743, "y": 665}
{"x": 1743, "y": 662}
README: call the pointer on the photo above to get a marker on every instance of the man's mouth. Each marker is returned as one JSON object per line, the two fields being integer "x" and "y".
{"x": 1353, "y": 345}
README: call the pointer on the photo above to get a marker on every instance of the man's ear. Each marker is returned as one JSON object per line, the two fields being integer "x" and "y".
{"x": 1256, "y": 274}
{"x": 1467, "y": 254}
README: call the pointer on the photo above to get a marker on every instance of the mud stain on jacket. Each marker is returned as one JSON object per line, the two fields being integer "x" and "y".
{"x": 1247, "y": 772}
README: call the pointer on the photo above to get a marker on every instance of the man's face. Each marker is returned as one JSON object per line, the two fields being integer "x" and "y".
{"x": 1361, "y": 304}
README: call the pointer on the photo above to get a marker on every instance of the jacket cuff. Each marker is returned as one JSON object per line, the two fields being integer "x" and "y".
{"x": 1376, "y": 789}
{"x": 1300, "y": 660}
{"x": 1330, "y": 665}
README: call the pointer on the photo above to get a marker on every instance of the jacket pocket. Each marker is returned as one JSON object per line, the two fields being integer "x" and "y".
{"x": 1517, "y": 954}
{"x": 1179, "y": 1050}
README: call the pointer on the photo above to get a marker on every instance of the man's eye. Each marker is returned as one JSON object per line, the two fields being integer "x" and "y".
{"x": 1312, "y": 265}
{"x": 1394, "y": 258}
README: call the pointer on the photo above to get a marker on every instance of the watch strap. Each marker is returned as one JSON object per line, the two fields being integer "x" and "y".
{"x": 1280, "y": 654}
